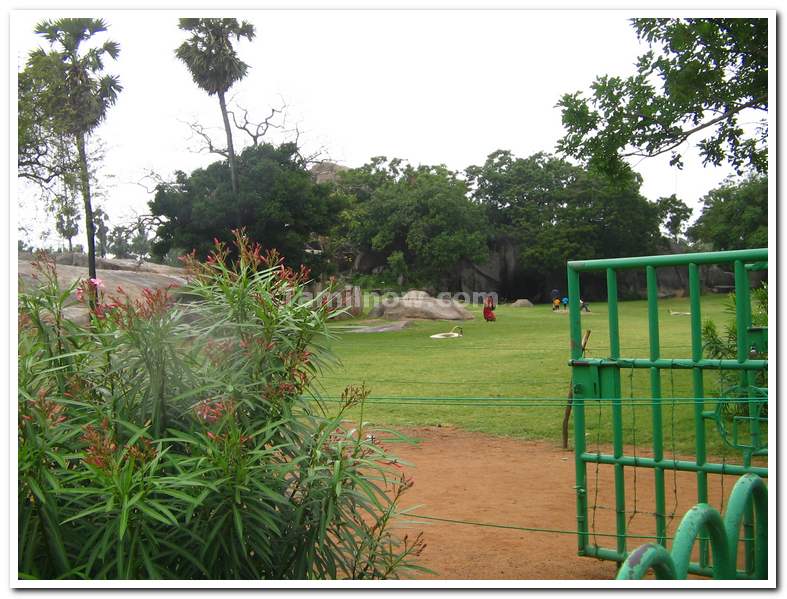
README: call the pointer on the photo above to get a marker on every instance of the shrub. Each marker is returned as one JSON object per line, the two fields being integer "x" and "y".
{"x": 176, "y": 442}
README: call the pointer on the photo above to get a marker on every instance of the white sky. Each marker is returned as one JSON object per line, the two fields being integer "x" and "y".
{"x": 429, "y": 86}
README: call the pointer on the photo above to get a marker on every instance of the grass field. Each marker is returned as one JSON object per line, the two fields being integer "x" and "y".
{"x": 477, "y": 382}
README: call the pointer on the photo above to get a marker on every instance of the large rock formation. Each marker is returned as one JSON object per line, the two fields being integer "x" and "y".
{"x": 131, "y": 281}
{"x": 418, "y": 304}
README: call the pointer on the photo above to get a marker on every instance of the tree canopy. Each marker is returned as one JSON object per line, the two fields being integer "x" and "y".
{"x": 700, "y": 78}
{"x": 77, "y": 96}
{"x": 734, "y": 215}
{"x": 554, "y": 211}
{"x": 418, "y": 219}
{"x": 280, "y": 205}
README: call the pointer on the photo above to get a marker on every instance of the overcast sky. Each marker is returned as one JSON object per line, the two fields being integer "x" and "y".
{"x": 432, "y": 87}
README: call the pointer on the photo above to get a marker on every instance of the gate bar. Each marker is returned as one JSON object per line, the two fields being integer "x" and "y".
{"x": 617, "y": 409}
{"x": 680, "y": 465}
{"x": 676, "y": 363}
{"x": 656, "y": 412}
{"x": 755, "y": 255}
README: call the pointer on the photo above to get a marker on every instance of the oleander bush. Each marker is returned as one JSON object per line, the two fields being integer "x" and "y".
{"x": 187, "y": 441}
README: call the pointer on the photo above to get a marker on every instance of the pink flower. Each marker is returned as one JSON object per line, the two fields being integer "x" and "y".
{"x": 80, "y": 294}
{"x": 97, "y": 283}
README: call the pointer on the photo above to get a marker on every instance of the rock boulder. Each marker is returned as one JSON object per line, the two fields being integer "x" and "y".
{"x": 522, "y": 303}
{"x": 132, "y": 282}
{"x": 418, "y": 304}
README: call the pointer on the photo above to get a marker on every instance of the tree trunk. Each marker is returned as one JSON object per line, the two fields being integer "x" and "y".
{"x": 84, "y": 179}
{"x": 230, "y": 148}
{"x": 70, "y": 247}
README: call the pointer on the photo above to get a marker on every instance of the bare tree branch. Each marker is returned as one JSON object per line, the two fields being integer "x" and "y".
{"x": 257, "y": 130}
{"x": 199, "y": 130}
{"x": 157, "y": 181}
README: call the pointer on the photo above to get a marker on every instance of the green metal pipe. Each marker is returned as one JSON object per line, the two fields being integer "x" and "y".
{"x": 680, "y": 465}
{"x": 647, "y": 557}
{"x": 742, "y": 324}
{"x": 617, "y": 410}
{"x": 580, "y": 469}
{"x": 612, "y": 555}
{"x": 655, "y": 391}
{"x": 757, "y": 266}
{"x": 682, "y": 364}
{"x": 754, "y": 255}
{"x": 612, "y": 313}
{"x": 700, "y": 518}
{"x": 698, "y": 386}
{"x": 749, "y": 488}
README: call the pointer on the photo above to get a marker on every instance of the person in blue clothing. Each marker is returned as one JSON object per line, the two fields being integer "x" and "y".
{"x": 565, "y": 303}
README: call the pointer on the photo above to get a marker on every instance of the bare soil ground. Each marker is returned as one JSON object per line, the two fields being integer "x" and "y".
{"x": 462, "y": 475}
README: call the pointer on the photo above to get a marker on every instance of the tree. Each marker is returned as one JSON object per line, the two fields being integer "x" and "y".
{"x": 67, "y": 218}
{"x": 734, "y": 215}
{"x": 140, "y": 244}
{"x": 673, "y": 214}
{"x": 214, "y": 65}
{"x": 119, "y": 244}
{"x": 76, "y": 96}
{"x": 553, "y": 211}
{"x": 100, "y": 219}
{"x": 418, "y": 219}
{"x": 700, "y": 76}
{"x": 280, "y": 205}
{"x": 44, "y": 153}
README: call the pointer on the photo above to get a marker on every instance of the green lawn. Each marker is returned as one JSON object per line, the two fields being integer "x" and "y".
{"x": 467, "y": 382}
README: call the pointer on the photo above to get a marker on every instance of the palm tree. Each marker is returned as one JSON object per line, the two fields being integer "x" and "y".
{"x": 75, "y": 94}
{"x": 214, "y": 64}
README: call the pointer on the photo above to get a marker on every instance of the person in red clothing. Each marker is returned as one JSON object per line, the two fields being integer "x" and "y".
{"x": 489, "y": 307}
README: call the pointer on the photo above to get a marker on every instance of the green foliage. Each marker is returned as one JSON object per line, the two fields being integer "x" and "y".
{"x": 130, "y": 241}
{"x": 67, "y": 217}
{"x": 209, "y": 54}
{"x": 119, "y": 244}
{"x": 215, "y": 67}
{"x": 74, "y": 95}
{"x": 701, "y": 75}
{"x": 673, "y": 214}
{"x": 152, "y": 446}
{"x": 724, "y": 345}
{"x": 418, "y": 219}
{"x": 735, "y": 215}
{"x": 280, "y": 205}
{"x": 44, "y": 153}
{"x": 557, "y": 212}
{"x": 100, "y": 220}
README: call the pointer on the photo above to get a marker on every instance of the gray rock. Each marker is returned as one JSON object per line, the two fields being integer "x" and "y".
{"x": 132, "y": 283}
{"x": 377, "y": 311}
{"x": 417, "y": 304}
{"x": 415, "y": 294}
{"x": 522, "y": 303}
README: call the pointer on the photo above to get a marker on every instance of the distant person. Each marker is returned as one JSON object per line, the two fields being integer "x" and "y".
{"x": 489, "y": 309}
{"x": 554, "y": 295}
{"x": 584, "y": 305}
{"x": 565, "y": 303}
{"x": 556, "y": 304}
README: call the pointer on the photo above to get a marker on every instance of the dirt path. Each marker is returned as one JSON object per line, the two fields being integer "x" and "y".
{"x": 470, "y": 476}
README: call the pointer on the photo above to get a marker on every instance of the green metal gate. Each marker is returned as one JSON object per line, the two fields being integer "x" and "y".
{"x": 599, "y": 380}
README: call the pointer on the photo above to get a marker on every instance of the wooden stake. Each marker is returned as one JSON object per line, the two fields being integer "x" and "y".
{"x": 567, "y": 415}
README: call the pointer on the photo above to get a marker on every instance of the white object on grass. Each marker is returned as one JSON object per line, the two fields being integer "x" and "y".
{"x": 455, "y": 332}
